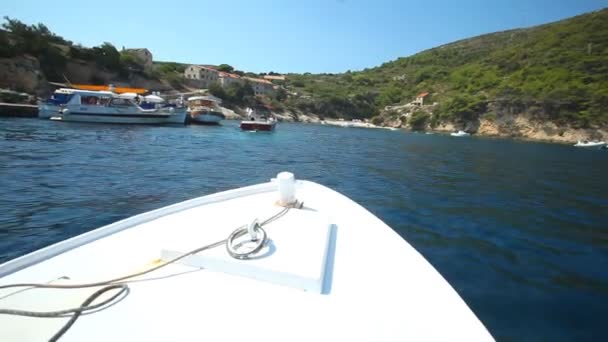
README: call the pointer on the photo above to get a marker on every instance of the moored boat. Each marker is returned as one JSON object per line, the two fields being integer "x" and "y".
{"x": 590, "y": 144}
{"x": 205, "y": 110}
{"x": 460, "y": 134}
{"x": 107, "y": 107}
{"x": 258, "y": 122}
{"x": 285, "y": 256}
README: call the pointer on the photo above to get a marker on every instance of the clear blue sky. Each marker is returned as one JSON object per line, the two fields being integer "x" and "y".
{"x": 287, "y": 35}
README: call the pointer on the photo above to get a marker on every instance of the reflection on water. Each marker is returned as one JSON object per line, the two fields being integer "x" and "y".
{"x": 519, "y": 229}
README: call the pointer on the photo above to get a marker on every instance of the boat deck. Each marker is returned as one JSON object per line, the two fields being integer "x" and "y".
{"x": 373, "y": 284}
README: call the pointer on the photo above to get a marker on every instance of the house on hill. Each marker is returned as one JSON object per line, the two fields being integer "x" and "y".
{"x": 260, "y": 86}
{"x": 279, "y": 78}
{"x": 419, "y": 101}
{"x": 226, "y": 79}
{"x": 204, "y": 74}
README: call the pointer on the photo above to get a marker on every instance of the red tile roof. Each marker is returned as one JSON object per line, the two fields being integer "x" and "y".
{"x": 227, "y": 74}
{"x": 259, "y": 80}
{"x": 425, "y": 94}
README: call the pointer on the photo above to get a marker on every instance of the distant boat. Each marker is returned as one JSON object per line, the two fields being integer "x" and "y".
{"x": 258, "y": 122}
{"x": 590, "y": 144}
{"x": 107, "y": 107}
{"x": 205, "y": 110}
{"x": 460, "y": 134}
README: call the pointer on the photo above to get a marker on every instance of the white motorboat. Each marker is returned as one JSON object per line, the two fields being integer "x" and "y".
{"x": 107, "y": 107}
{"x": 258, "y": 122}
{"x": 590, "y": 144}
{"x": 284, "y": 260}
{"x": 205, "y": 110}
{"x": 460, "y": 134}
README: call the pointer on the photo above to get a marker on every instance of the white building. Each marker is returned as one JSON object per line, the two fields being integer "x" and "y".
{"x": 274, "y": 78}
{"x": 227, "y": 79}
{"x": 419, "y": 101}
{"x": 202, "y": 73}
{"x": 260, "y": 86}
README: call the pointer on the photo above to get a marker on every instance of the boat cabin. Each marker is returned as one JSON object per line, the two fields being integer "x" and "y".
{"x": 204, "y": 101}
{"x": 94, "y": 98}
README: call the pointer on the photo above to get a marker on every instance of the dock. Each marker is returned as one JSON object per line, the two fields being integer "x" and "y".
{"x": 18, "y": 110}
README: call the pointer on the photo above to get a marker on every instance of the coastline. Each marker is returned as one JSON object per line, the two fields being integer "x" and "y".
{"x": 517, "y": 127}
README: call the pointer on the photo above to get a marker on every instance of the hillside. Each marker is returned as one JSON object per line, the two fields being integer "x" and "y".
{"x": 32, "y": 55}
{"x": 557, "y": 72}
{"x": 541, "y": 82}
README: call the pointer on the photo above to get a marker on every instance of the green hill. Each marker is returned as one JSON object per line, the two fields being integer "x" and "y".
{"x": 557, "y": 71}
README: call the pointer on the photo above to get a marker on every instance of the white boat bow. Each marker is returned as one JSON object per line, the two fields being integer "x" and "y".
{"x": 329, "y": 271}
{"x": 460, "y": 134}
{"x": 590, "y": 144}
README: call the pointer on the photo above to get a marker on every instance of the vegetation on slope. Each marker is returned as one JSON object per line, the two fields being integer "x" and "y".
{"x": 552, "y": 72}
{"x": 556, "y": 71}
{"x": 53, "y": 52}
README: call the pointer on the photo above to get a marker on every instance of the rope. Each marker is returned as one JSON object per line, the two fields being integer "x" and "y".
{"x": 111, "y": 284}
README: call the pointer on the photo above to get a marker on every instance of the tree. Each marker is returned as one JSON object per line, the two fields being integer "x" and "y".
{"x": 280, "y": 95}
{"x": 225, "y": 68}
{"x": 216, "y": 90}
{"x": 418, "y": 120}
{"x": 130, "y": 61}
{"x": 107, "y": 56}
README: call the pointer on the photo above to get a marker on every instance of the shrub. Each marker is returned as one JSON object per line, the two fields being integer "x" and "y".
{"x": 418, "y": 120}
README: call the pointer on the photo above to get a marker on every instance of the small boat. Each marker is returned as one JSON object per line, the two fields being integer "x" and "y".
{"x": 205, "y": 110}
{"x": 258, "y": 122}
{"x": 273, "y": 259}
{"x": 590, "y": 144}
{"x": 108, "y": 107}
{"x": 460, "y": 134}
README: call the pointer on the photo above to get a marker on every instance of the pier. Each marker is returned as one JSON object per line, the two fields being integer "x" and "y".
{"x": 18, "y": 110}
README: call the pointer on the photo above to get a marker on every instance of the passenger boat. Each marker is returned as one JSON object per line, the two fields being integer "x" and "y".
{"x": 460, "y": 134}
{"x": 258, "y": 122}
{"x": 205, "y": 110}
{"x": 590, "y": 144}
{"x": 285, "y": 260}
{"x": 107, "y": 107}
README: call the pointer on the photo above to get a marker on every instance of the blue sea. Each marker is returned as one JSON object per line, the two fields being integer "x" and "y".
{"x": 519, "y": 229}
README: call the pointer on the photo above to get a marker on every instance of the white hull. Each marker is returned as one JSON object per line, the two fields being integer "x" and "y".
{"x": 363, "y": 281}
{"x": 46, "y": 111}
{"x": 597, "y": 144}
{"x": 175, "y": 118}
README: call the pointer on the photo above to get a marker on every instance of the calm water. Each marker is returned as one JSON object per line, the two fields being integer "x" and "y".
{"x": 519, "y": 229}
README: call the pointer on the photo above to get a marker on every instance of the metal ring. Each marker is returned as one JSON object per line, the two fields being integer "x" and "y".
{"x": 259, "y": 242}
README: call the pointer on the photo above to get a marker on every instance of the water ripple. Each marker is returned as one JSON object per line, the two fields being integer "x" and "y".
{"x": 519, "y": 229}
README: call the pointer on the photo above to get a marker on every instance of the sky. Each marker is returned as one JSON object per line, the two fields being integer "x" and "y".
{"x": 286, "y": 35}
